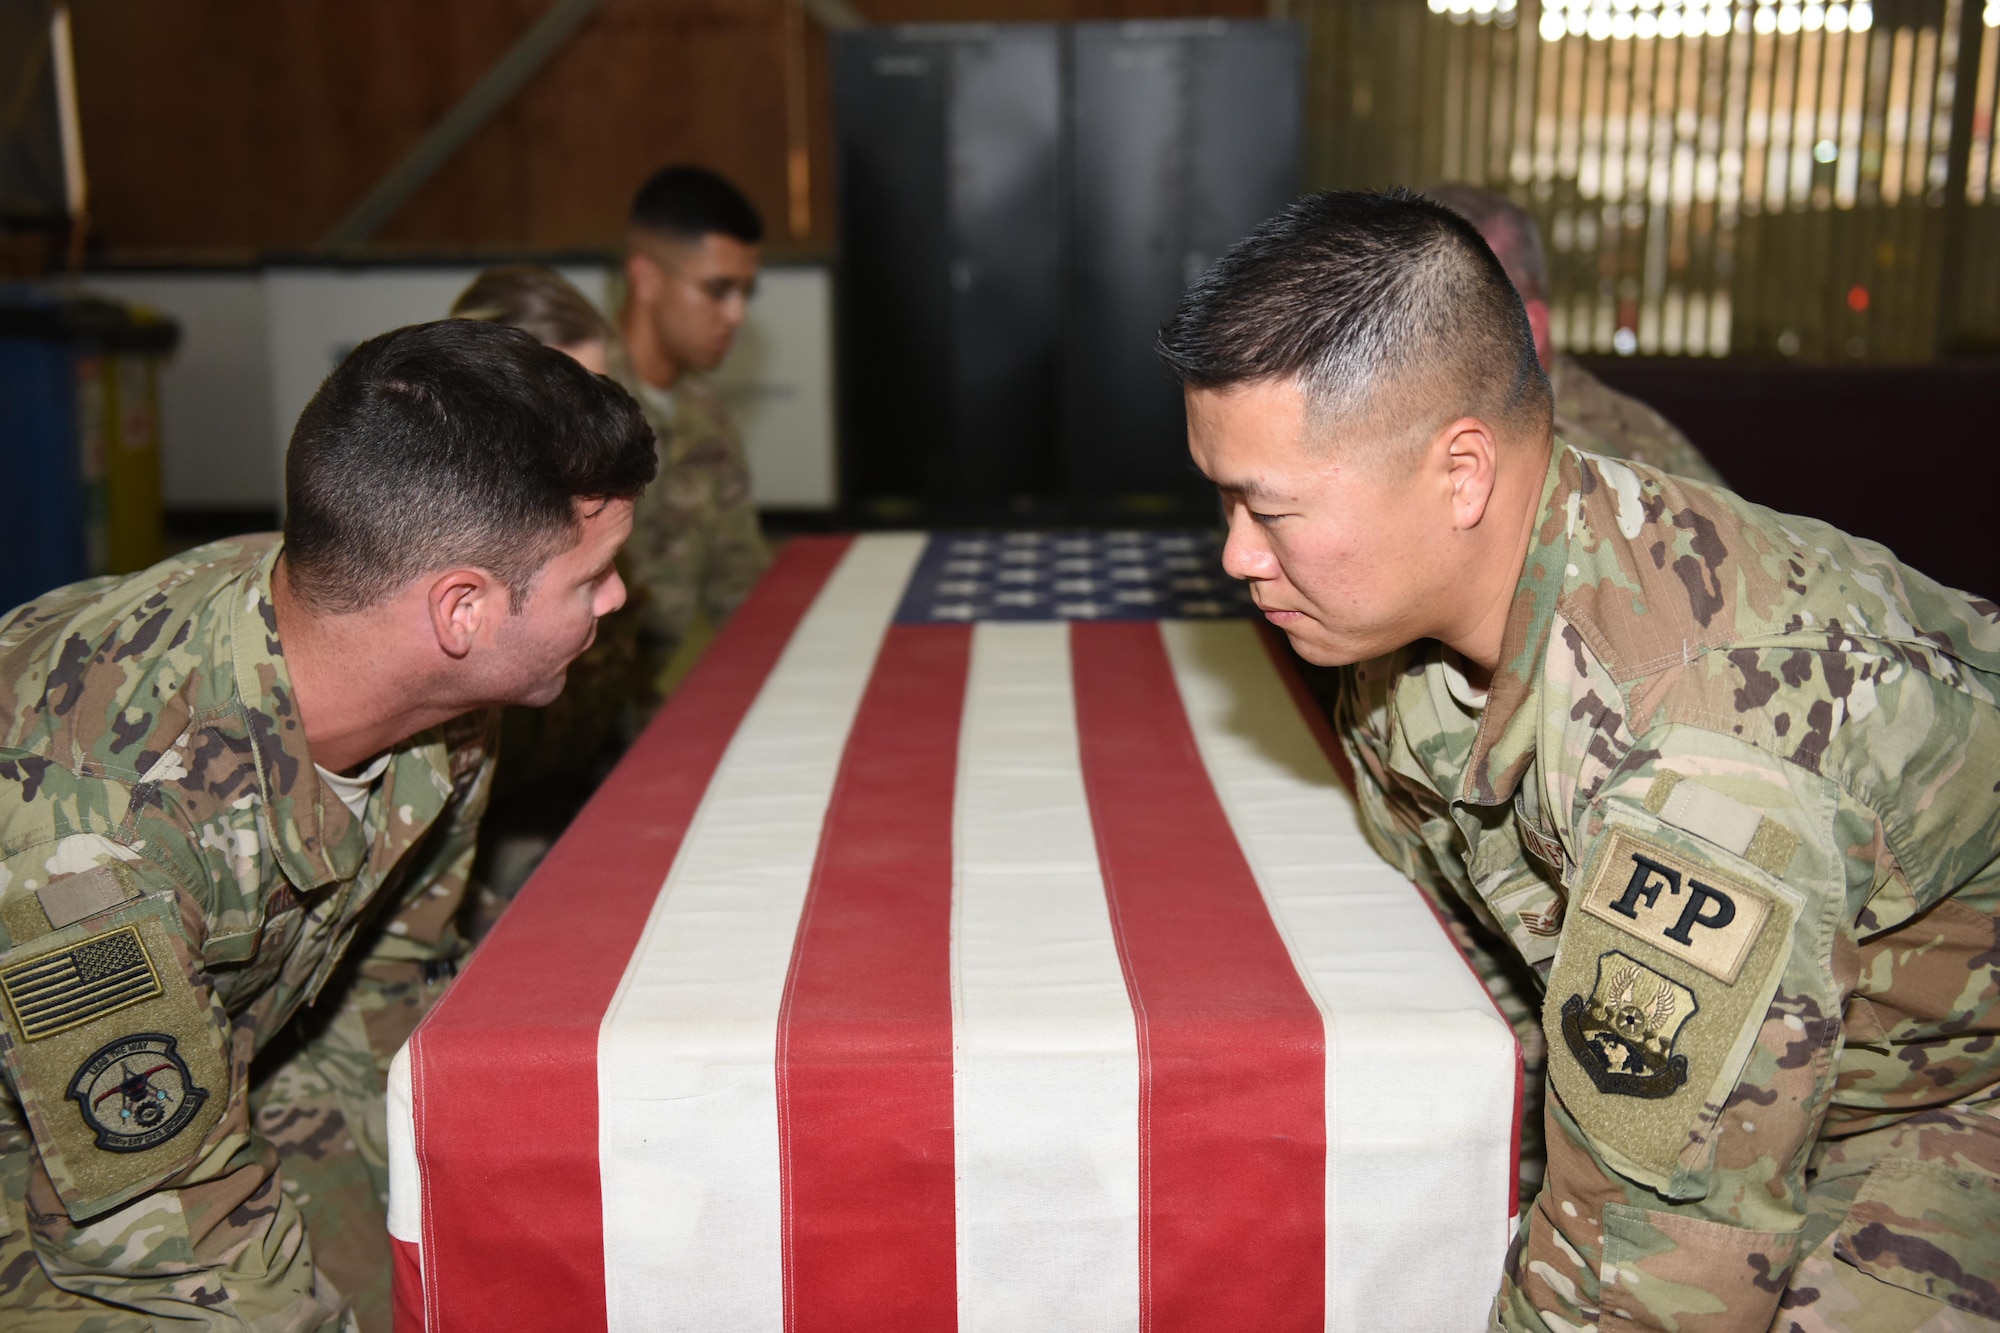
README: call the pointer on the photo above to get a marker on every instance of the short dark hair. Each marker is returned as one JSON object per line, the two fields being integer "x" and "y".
{"x": 1348, "y": 290}
{"x": 451, "y": 443}
{"x": 536, "y": 300}
{"x": 1507, "y": 227}
{"x": 688, "y": 203}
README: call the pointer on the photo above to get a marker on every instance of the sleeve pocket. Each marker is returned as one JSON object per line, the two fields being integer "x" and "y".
{"x": 1678, "y": 1274}
{"x": 1929, "y": 1228}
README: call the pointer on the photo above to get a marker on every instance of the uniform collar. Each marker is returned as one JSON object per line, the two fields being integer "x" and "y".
{"x": 1505, "y": 745}
{"x": 318, "y": 841}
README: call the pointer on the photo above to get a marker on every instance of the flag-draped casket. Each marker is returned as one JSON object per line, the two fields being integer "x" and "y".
{"x": 981, "y": 939}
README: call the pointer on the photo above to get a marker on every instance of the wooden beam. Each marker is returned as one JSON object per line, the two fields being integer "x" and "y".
{"x": 459, "y": 124}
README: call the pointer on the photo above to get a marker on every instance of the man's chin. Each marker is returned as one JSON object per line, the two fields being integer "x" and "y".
{"x": 1311, "y": 642}
{"x": 546, "y": 693}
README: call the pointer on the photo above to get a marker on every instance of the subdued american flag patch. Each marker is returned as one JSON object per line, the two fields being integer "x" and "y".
{"x": 58, "y": 991}
{"x": 1118, "y": 575}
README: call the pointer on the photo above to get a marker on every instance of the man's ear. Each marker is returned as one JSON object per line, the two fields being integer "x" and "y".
{"x": 1471, "y": 458}
{"x": 642, "y": 276}
{"x": 464, "y": 604}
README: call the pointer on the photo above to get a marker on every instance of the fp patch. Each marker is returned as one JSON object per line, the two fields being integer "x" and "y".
{"x": 136, "y": 1092}
{"x": 1683, "y": 909}
{"x": 1624, "y": 1034}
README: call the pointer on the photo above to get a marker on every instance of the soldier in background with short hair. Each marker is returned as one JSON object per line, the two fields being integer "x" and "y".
{"x": 238, "y": 797}
{"x": 1726, "y": 783}
{"x": 690, "y": 270}
{"x": 1589, "y": 414}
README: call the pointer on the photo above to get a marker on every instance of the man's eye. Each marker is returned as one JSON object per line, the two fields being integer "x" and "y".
{"x": 1264, "y": 518}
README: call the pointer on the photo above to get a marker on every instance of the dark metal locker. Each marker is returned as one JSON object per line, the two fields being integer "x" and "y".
{"x": 950, "y": 239}
{"x": 1184, "y": 136}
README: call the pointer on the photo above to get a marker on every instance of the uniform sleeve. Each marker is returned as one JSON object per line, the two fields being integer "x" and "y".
{"x": 737, "y": 554}
{"x": 144, "y": 1187}
{"x": 663, "y": 559}
{"x": 1691, "y": 1017}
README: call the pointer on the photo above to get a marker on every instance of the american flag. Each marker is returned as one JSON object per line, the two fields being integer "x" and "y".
{"x": 1018, "y": 967}
{"x": 1120, "y": 575}
{"x": 59, "y": 991}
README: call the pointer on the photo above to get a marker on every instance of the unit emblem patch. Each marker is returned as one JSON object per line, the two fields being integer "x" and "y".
{"x": 136, "y": 1092}
{"x": 1624, "y": 1034}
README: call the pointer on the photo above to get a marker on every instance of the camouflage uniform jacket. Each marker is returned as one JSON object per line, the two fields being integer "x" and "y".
{"x": 175, "y": 883}
{"x": 695, "y": 545}
{"x": 1731, "y": 795}
{"x": 1593, "y": 416}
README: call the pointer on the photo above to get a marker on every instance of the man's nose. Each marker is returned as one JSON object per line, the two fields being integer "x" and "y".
{"x": 611, "y": 596}
{"x": 1246, "y": 555}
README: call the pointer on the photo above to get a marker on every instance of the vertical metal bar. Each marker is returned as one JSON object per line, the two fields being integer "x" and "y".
{"x": 1951, "y": 254}
{"x": 69, "y": 127}
{"x": 798, "y": 129}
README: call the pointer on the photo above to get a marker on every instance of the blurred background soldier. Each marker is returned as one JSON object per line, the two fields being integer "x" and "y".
{"x": 690, "y": 269}
{"x": 240, "y": 799}
{"x": 1590, "y": 414}
{"x": 553, "y": 757}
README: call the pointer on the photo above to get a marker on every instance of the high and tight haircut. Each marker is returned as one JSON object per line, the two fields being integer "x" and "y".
{"x": 1508, "y": 228}
{"x": 1352, "y": 294}
{"x": 446, "y": 445}
{"x": 536, "y": 300}
{"x": 686, "y": 203}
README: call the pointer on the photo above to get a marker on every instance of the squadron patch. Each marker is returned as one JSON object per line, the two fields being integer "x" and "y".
{"x": 136, "y": 1092}
{"x": 1667, "y": 969}
{"x": 1624, "y": 1034}
{"x": 117, "y": 1052}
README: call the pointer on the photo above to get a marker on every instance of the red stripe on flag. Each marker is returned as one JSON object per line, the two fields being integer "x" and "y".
{"x": 864, "y": 1039}
{"x": 1321, "y": 727}
{"x": 505, "y": 1069}
{"x": 406, "y": 1286}
{"x": 1232, "y": 1072}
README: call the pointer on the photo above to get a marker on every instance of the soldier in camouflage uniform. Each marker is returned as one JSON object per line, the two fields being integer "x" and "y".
{"x": 689, "y": 274}
{"x": 1724, "y": 781}
{"x": 240, "y": 791}
{"x": 1589, "y": 414}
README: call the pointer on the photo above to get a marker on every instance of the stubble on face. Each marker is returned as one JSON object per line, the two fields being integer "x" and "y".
{"x": 558, "y": 623}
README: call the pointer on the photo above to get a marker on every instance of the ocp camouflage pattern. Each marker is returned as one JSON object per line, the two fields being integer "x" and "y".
{"x": 1594, "y": 417}
{"x": 154, "y": 767}
{"x": 695, "y": 548}
{"x": 1731, "y": 802}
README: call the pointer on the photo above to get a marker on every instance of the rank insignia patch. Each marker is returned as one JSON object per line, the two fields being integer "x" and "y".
{"x": 66, "y": 989}
{"x": 1624, "y": 1034}
{"x": 136, "y": 1093}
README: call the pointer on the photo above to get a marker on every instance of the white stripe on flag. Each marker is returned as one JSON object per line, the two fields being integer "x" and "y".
{"x": 687, "y": 1089}
{"x": 1047, "y": 1063}
{"x": 1409, "y": 1176}
{"x": 406, "y": 1192}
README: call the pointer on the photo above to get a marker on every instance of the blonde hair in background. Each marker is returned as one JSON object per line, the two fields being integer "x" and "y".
{"x": 536, "y": 300}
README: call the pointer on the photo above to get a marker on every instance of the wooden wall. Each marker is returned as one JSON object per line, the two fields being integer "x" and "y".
{"x": 223, "y": 129}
